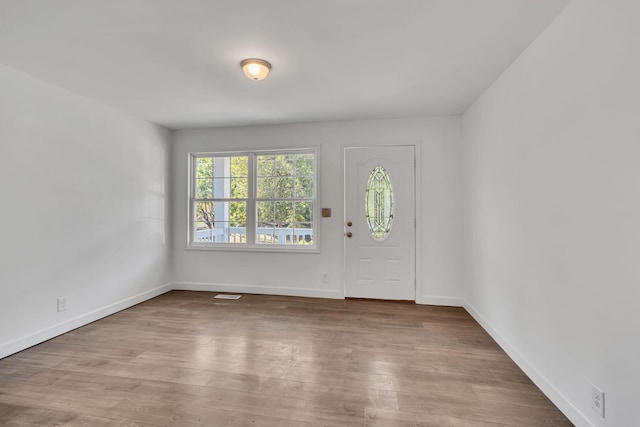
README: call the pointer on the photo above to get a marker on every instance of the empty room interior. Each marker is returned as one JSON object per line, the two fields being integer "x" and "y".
{"x": 332, "y": 213}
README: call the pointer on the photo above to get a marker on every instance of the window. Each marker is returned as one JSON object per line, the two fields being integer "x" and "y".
{"x": 253, "y": 200}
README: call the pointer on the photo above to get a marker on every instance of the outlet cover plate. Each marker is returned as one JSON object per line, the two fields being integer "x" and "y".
{"x": 597, "y": 400}
{"x": 62, "y": 304}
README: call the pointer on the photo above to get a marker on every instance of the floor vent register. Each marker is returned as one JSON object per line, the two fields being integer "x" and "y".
{"x": 227, "y": 296}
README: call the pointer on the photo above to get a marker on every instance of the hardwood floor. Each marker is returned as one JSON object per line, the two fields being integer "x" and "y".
{"x": 185, "y": 358}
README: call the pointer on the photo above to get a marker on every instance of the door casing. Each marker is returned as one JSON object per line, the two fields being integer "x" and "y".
{"x": 417, "y": 206}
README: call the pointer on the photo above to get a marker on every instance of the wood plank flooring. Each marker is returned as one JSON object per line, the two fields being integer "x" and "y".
{"x": 187, "y": 359}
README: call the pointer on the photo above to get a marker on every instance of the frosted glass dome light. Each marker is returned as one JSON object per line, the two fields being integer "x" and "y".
{"x": 255, "y": 69}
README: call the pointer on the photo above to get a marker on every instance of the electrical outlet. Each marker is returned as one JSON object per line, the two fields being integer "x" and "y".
{"x": 62, "y": 304}
{"x": 597, "y": 400}
{"x": 325, "y": 277}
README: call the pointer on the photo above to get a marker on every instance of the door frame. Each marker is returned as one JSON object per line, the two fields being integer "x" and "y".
{"x": 417, "y": 207}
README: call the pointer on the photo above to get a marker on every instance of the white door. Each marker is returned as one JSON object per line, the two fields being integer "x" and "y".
{"x": 380, "y": 222}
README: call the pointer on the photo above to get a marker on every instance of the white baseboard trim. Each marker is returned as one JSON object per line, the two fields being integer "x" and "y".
{"x": 436, "y": 300}
{"x": 567, "y": 408}
{"x": 252, "y": 289}
{"x": 45, "y": 334}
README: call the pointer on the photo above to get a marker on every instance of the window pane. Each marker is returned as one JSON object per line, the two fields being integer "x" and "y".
{"x": 284, "y": 188}
{"x": 266, "y": 213}
{"x": 304, "y": 187}
{"x": 230, "y": 188}
{"x": 204, "y": 188}
{"x": 284, "y": 214}
{"x": 222, "y": 188}
{"x": 305, "y": 236}
{"x": 202, "y": 233}
{"x": 204, "y": 222}
{"x": 268, "y": 235}
{"x": 284, "y": 165}
{"x": 204, "y": 167}
{"x": 266, "y": 166}
{"x": 304, "y": 165}
{"x": 239, "y": 188}
{"x": 239, "y": 167}
{"x": 265, "y": 234}
{"x": 303, "y": 223}
{"x": 227, "y": 166}
{"x": 216, "y": 221}
{"x": 303, "y": 212}
{"x": 238, "y": 214}
{"x": 230, "y": 233}
{"x": 266, "y": 188}
{"x": 237, "y": 233}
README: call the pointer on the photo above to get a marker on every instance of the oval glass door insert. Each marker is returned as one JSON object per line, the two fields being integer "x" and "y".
{"x": 378, "y": 203}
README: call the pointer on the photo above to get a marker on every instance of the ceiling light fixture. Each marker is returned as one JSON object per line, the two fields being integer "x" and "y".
{"x": 255, "y": 69}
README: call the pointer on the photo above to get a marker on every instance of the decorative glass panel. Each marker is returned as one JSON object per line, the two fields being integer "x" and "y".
{"x": 378, "y": 203}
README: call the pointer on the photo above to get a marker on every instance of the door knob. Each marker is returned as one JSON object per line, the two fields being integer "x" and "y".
{"x": 349, "y": 234}
{"x": 349, "y": 224}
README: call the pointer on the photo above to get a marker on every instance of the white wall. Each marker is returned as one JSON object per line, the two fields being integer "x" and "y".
{"x": 83, "y": 210}
{"x": 300, "y": 274}
{"x": 552, "y": 210}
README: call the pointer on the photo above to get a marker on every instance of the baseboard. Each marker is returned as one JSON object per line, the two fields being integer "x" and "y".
{"x": 252, "y": 289}
{"x": 543, "y": 384}
{"x": 435, "y": 300}
{"x": 298, "y": 292}
{"x": 42, "y": 335}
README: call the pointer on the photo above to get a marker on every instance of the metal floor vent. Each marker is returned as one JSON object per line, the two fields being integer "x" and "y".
{"x": 227, "y": 296}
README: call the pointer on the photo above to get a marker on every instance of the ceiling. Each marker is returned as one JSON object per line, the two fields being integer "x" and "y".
{"x": 176, "y": 62}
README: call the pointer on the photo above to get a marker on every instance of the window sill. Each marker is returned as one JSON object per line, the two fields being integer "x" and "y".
{"x": 253, "y": 248}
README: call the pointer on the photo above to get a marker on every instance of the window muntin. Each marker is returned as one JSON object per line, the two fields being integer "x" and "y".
{"x": 254, "y": 200}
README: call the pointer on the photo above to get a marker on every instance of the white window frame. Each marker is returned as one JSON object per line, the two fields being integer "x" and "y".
{"x": 251, "y": 225}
